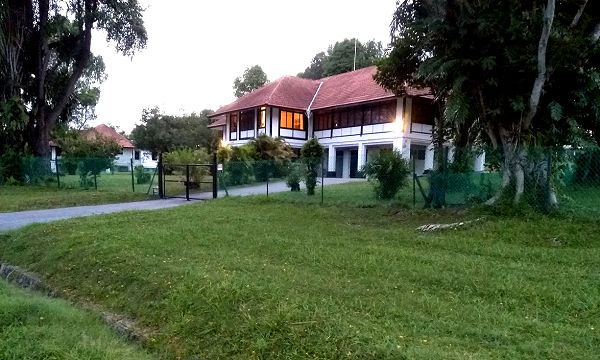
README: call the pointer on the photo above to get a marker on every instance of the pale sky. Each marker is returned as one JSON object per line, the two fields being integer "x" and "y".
{"x": 196, "y": 49}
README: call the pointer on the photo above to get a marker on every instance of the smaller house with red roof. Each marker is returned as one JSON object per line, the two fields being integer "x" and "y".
{"x": 129, "y": 154}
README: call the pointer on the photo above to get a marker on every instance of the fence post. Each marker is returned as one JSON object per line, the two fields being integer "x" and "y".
{"x": 161, "y": 190}
{"x": 414, "y": 177}
{"x": 268, "y": 169}
{"x": 95, "y": 182}
{"x": 322, "y": 181}
{"x": 187, "y": 182}
{"x": 57, "y": 173}
{"x": 215, "y": 169}
{"x": 132, "y": 181}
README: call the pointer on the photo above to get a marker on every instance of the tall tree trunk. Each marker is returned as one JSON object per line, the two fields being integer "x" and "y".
{"x": 45, "y": 117}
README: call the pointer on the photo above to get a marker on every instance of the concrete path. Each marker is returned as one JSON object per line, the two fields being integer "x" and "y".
{"x": 15, "y": 220}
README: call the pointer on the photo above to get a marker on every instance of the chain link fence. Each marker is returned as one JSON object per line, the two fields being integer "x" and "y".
{"x": 574, "y": 180}
{"x": 79, "y": 173}
{"x": 451, "y": 181}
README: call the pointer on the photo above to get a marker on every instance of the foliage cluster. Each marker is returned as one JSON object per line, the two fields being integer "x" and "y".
{"x": 163, "y": 133}
{"x": 175, "y": 161}
{"x": 253, "y": 78}
{"x": 312, "y": 157}
{"x": 262, "y": 158}
{"x": 388, "y": 171}
{"x": 340, "y": 58}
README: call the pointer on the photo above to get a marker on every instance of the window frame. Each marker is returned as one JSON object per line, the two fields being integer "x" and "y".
{"x": 293, "y": 113}
{"x": 261, "y": 115}
{"x": 233, "y": 129}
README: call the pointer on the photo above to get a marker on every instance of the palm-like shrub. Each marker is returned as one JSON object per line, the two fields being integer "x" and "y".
{"x": 272, "y": 156}
{"x": 388, "y": 171}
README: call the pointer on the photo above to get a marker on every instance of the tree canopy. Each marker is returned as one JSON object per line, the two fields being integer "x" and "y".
{"x": 253, "y": 78}
{"x": 47, "y": 71}
{"x": 515, "y": 73}
{"x": 340, "y": 58}
{"x": 164, "y": 133}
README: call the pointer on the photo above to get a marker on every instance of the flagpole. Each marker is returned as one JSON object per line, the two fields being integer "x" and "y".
{"x": 354, "y": 67}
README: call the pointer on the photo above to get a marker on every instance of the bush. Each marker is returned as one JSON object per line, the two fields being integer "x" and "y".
{"x": 389, "y": 172}
{"x": 142, "y": 177}
{"x": 312, "y": 156}
{"x": 587, "y": 168}
{"x": 237, "y": 167}
{"x": 272, "y": 156}
{"x": 295, "y": 175}
{"x": 188, "y": 156}
{"x": 91, "y": 156}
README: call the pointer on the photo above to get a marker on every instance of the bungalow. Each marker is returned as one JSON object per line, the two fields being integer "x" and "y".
{"x": 128, "y": 151}
{"x": 352, "y": 116}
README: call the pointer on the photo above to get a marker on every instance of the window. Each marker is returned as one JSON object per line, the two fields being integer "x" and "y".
{"x": 323, "y": 121}
{"x": 136, "y": 155}
{"x": 380, "y": 113}
{"x": 247, "y": 120}
{"x": 154, "y": 155}
{"x": 262, "y": 117}
{"x": 233, "y": 121}
{"x": 291, "y": 120}
{"x": 422, "y": 111}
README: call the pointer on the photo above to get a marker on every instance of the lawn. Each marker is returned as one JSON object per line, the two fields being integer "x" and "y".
{"x": 19, "y": 198}
{"x": 257, "y": 278}
{"x": 34, "y": 327}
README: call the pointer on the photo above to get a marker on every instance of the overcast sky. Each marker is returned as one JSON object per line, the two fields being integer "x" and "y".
{"x": 197, "y": 48}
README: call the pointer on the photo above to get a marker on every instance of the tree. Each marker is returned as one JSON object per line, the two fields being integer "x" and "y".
{"x": 312, "y": 156}
{"x": 163, "y": 133}
{"x": 340, "y": 58}
{"x": 315, "y": 69}
{"x": 506, "y": 70}
{"x": 45, "y": 52}
{"x": 253, "y": 78}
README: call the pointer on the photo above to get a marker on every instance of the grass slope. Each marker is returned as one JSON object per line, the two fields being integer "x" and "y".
{"x": 34, "y": 327}
{"x": 254, "y": 278}
{"x": 19, "y": 198}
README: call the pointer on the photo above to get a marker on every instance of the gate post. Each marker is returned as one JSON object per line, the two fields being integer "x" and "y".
{"x": 161, "y": 190}
{"x": 214, "y": 173}
{"x": 187, "y": 182}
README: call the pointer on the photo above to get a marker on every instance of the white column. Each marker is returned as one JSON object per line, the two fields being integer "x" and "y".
{"x": 331, "y": 160}
{"x": 428, "y": 165}
{"x": 398, "y": 143}
{"x": 479, "y": 162}
{"x": 406, "y": 149}
{"x": 362, "y": 156}
{"x": 346, "y": 163}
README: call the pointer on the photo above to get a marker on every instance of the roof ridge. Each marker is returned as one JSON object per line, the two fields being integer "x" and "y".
{"x": 279, "y": 81}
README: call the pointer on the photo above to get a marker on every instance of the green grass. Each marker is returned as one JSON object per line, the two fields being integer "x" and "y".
{"x": 115, "y": 182}
{"x": 19, "y": 198}
{"x": 35, "y": 327}
{"x": 251, "y": 278}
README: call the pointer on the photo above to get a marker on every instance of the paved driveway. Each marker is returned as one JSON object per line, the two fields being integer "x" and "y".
{"x": 15, "y": 220}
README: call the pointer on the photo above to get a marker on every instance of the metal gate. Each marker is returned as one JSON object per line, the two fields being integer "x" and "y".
{"x": 187, "y": 181}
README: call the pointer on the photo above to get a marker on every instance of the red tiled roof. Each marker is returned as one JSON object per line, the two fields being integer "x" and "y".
{"x": 107, "y": 132}
{"x": 337, "y": 90}
{"x": 221, "y": 121}
{"x": 288, "y": 91}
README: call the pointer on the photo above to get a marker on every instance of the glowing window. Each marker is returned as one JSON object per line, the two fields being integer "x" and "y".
{"x": 262, "y": 117}
{"x": 292, "y": 120}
